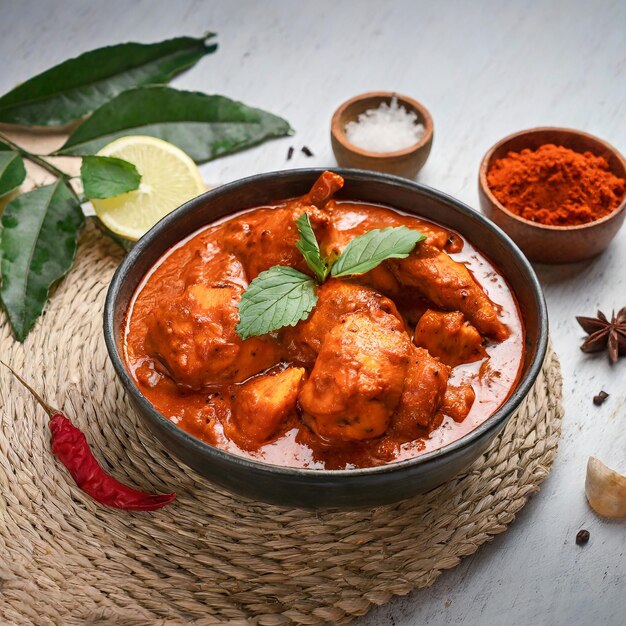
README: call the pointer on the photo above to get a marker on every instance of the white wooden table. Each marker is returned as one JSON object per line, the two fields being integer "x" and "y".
{"x": 483, "y": 71}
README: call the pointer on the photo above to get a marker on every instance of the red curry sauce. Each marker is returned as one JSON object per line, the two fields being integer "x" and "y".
{"x": 463, "y": 362}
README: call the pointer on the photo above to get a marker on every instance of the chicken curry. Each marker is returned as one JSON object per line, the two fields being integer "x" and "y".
{"x": 390, "y": 364}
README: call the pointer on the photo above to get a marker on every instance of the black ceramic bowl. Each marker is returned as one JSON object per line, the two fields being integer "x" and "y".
{"x": 328, "y": 488}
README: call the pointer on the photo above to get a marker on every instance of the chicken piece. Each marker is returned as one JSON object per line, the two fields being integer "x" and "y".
{"x": 324, "y": 188}
{"x": 449, "y": 285}
{"x": 269, "y": 236}
{"x": 357, "y": 379}
{"x": 449, "y": 337}
{"x": 193, "y": 336}
{"x": 336, "y": 298}
{"x": 351, "y": 220}
{"x": 458, "y": 401}
{"x": 213, "y": 267}
{"x": 410, "y": 304}
{"x": 424, "y": 389}
{"x": 262, "y": 405}
{"x": 382, "y": 279}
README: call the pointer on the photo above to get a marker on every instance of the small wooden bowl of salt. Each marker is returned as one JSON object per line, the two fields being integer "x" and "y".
{"x": 382, "y": 131}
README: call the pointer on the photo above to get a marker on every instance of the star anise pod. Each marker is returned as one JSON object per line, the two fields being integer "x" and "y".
{"x": 605, "y": 334}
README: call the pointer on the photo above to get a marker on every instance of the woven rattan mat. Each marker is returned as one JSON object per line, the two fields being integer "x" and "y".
{"x": 211, "y": 558}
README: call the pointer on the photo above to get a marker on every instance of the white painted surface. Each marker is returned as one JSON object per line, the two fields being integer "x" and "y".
{"x": 484, "y": 70}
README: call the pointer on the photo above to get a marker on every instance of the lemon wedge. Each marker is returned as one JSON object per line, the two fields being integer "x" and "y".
{"x": 169, "y": 178}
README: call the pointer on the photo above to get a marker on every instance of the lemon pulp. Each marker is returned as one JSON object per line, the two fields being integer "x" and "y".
{"x": 169, "y": 178}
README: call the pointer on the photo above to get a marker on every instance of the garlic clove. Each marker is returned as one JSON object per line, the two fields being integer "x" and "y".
{"x": 605, "y": 489}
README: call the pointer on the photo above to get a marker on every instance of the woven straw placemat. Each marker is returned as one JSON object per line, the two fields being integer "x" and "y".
{"x": 211, "y": 558}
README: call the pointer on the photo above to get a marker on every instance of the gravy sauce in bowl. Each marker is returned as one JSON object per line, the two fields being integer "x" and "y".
{"x": 396, "y": 380}
{"x": 266, "y": 398}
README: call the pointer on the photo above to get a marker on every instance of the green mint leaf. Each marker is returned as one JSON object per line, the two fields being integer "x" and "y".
{"x": 308, "y": 246}
{"x": 105, "y": 177}
{"x": 76, "y": 87}
{"x": 364, "y": 253}
{"x": 12, "y": 170}
{"x": 280, "y": 296}
{"x": 203, "y": 126}
{"x": 40, "y": 232}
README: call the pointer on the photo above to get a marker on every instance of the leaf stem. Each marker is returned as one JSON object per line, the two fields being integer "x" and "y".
{"x": 46, "y": 407}
{"x": 39, "y": 160}
{"x": 47, "y": 166}
{"x": 35, "y": 158}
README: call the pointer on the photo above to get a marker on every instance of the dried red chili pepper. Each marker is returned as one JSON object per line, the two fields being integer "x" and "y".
{"x": 70, "y": 446}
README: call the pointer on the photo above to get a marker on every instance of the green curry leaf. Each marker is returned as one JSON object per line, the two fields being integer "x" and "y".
{"x": 366, "y": 252}
{"x": 308, "y": 246}
{"x": 12, "y": 170}
{"x": 106, "y": 177}
{"x": 204, "y": 126}
{"x": 78, "y": 86}
{"x": 280, "y": 296}
{"x": 40, "y": 232}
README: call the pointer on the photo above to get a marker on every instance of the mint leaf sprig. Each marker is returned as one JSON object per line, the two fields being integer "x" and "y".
{"x": 283, "y": 296}
{"x": 280, "y": 296}
{"x": 106, "y": 177}
{"x": 310, "y": 249}
{"x": 366, "y": 252}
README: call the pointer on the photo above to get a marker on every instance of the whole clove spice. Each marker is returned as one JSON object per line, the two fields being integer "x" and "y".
{"x": 307, "y": 151}
{"x": 582, "y": 537}
{"x": 600, "y": 398}
{"x": 289, "y": 153}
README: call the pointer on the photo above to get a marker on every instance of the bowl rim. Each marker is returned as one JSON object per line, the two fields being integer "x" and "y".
{"x": 484, "y": 185}
{"x": 338, "y": 133}
{"x": 492, "y": 423}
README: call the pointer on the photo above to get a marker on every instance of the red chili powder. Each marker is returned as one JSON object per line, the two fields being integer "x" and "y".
{"x": 555, "y": 185}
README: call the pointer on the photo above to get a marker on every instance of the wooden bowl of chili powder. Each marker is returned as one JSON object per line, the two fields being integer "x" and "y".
{"x": 559, "y": 193}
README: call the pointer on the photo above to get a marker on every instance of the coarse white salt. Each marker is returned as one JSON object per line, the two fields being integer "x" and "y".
{"x": 388, "y": 128}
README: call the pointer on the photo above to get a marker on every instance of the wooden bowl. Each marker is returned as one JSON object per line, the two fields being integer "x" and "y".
{"x": 407, "y": 162}
{"x": 553, "y": 244}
